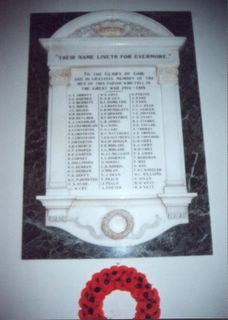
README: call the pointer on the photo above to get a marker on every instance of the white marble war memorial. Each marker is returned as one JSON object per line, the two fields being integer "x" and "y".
{"x": 115, "y": 172}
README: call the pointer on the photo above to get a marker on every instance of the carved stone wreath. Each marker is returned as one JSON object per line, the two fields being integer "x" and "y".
{"x": 127, "y": 218}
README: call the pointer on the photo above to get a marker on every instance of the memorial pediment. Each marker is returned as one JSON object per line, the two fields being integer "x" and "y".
{"x": 101, "y": 38}
{"x": 112, "y": 24}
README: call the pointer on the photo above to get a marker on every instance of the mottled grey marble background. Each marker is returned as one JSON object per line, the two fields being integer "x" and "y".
{"x": 41, "y": 242}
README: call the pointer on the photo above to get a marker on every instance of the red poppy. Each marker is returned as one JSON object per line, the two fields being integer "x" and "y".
{"x": 118, "y": 278}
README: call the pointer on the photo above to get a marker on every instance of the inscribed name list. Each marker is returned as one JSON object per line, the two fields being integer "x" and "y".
{"x": 115, "y": 136}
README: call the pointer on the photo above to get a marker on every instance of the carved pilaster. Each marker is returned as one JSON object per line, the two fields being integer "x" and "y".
{"x": 59, "y": 77}
{"x": 167, "y": 75}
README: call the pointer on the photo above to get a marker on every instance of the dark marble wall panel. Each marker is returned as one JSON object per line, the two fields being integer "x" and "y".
{"x": 41, "y": 242}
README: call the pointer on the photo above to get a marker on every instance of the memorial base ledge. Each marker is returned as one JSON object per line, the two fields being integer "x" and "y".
{"x": 176, "y": 204}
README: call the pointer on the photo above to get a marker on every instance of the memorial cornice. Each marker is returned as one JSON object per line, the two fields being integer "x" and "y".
{"x": 174, "y": 43}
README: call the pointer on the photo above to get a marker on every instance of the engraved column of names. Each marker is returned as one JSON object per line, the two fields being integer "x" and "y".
{"x": 82, "y": 134}
{"x": 144, "y": 135}
{"x": 114, "y": 140}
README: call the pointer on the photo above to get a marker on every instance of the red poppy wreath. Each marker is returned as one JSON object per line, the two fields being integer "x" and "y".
{"x": 119, "y": 278}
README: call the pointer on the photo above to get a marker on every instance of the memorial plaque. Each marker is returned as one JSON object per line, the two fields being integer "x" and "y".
{"x": 119, "y": 168}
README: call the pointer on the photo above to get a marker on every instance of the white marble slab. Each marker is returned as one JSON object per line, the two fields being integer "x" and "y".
{"x": 115, "y": 158}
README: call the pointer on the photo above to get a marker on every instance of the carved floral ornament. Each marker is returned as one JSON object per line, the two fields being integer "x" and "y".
{"x": 59, "y": 76}
{"x": 113, "y": 28}
{"x": 167, "y": 74}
